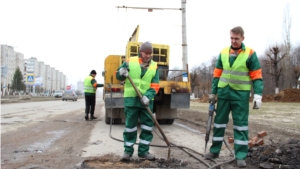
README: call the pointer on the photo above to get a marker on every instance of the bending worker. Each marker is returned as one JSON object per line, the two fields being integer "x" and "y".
{"x": 90, "y": 87}
{"x": 236, "y": 67}
{"x": 143, "y": 72}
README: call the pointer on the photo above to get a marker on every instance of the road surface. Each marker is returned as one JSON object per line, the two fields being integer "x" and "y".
{"x": 54, "y": 134}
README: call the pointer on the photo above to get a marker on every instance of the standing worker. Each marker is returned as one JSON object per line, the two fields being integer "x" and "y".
{"x": 144, "y": 73}
{"x": 90, "y": 87}
{"x": 236, "y": 67}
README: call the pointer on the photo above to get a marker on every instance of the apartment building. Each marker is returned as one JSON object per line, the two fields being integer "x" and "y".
{"x": 8, "y": 63}
{"x": 20, "y": 62}
{"x": 80, "y": 86}
{"x": 51, "y": 79}
{"x": 47, "y": 78}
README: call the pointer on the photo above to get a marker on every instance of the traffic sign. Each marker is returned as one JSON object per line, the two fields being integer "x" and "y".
{"x": 30, "y": 79}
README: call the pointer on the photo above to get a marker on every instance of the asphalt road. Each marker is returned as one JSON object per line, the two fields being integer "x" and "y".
{"x": 54, "y": 134}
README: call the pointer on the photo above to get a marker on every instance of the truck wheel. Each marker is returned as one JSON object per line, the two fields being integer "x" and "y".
{"x": 170, "y": 121}
{"x": 162, "y": 121}
{"x": 117, "y": 121}
{"x": 107, "y": 120}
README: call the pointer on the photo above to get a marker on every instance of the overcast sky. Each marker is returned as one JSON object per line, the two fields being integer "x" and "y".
{"x": 75, "y": 36}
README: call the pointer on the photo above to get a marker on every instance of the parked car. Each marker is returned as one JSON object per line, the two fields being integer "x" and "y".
{"x": 32, "y": 94}
{"x": 69, "y": 95}
{"x": 46, "y": 94}
{"x": 58, "y": 93}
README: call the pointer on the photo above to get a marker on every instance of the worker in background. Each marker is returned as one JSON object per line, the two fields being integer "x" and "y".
{"x": 90, "y": 87}
{"x": 144, "y": 73}
{"x": 236, "y": 68}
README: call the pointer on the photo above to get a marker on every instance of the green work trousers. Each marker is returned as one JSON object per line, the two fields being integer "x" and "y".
{"x": 240, "y": 113}
{"x": 130, "y": 133}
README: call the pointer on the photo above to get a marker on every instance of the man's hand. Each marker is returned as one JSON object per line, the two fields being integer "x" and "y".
{"x": 145, "y": 100}
{"x": 123, "y": 72}
{"x": 257, "y": 101}
{"x": 212, "y": 98}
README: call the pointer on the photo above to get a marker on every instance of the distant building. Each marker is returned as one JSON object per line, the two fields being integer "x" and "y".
{"x": 10, "y": 59}
{"x": 80, "y": 86}
{"x": 20, "y": 62}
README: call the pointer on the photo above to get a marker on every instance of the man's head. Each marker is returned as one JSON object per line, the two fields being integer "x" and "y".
{"x": 146, "y": 51}
{"x": 237, "y": 36}
{"x": 93, "y": 73}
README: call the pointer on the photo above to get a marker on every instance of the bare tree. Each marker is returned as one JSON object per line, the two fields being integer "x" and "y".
{"x": 296, "y": 62}
{"x": 267, "y": 79}
{"x": 273, "y": 58}
{"x": 194, "y": 78}
{"x": 175, "y": 74}
{"x": 287, "y": 62}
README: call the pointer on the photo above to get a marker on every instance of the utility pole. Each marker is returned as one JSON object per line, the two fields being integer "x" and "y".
{"x": 184, "y": 41}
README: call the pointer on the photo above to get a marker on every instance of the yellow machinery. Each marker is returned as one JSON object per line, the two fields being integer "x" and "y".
{"x": 174, "y": 90}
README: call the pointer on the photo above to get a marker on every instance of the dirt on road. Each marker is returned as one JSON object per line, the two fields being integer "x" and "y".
{"x": 41, "y": 143}
{"x": 280, "y": 120}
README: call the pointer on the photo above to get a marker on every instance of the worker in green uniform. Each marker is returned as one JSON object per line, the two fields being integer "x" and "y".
{"x": 144, "y": 73}
{"x": 236, "y": 68}
{"x": 90, "y": 87}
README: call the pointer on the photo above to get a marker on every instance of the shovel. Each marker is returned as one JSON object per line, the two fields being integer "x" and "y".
{"x": 153, "y": 118}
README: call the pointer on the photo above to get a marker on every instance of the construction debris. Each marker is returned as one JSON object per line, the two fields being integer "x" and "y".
{"x": 276, "y": 155}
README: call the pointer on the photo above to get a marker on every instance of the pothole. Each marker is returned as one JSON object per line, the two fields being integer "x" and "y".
{"x": 7, "y": 117}
{"x": 60, "y": 121}
{"x": 28, "y": 151}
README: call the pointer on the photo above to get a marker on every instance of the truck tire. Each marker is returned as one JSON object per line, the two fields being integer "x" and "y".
{"x": 170, "y": 121}
{"x": 117, "y": 121}
{"x": 107, "y": 120}
{"x": 114, "y": 121}
{"x": 162, "y": 121}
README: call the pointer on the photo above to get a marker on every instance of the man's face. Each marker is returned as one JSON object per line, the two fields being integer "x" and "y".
{"x": 146, "y": 56}
{"x": 236, "y": 40}
{"x": 94, "y": 75}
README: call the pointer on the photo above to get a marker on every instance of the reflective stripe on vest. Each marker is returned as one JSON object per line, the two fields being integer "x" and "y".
{"x": 88, "y": 87}
{"x": 237, "y": 76}
{"x": 143, "y": 84}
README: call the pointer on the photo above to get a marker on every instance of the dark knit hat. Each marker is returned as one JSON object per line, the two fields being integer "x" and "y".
{"x": 146, "y": 47}
{"x": 93, "y": 72}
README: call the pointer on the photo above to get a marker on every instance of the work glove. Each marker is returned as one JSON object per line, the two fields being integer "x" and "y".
{"x": 257, "y": 101}
{"x": 145, "y": 101}
{"x": 123, "y": 72}
{"x": 212, "y": 98}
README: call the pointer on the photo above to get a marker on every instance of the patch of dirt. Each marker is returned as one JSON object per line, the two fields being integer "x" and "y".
{"x": 56, "y": 142}
{"x": 113, "y": 161}
{"x": 279, "y": 120}
{"x": 288, "y": 95}
{"x": 274, "y": 155}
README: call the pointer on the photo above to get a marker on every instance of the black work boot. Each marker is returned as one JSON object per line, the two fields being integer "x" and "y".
{"x": 86, "y": 116}
{"x": 211, "y": 156}
{"x": 93, "y": 117}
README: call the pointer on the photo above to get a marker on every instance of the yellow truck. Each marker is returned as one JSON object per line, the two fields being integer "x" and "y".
{"x": 174, "y": 92}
